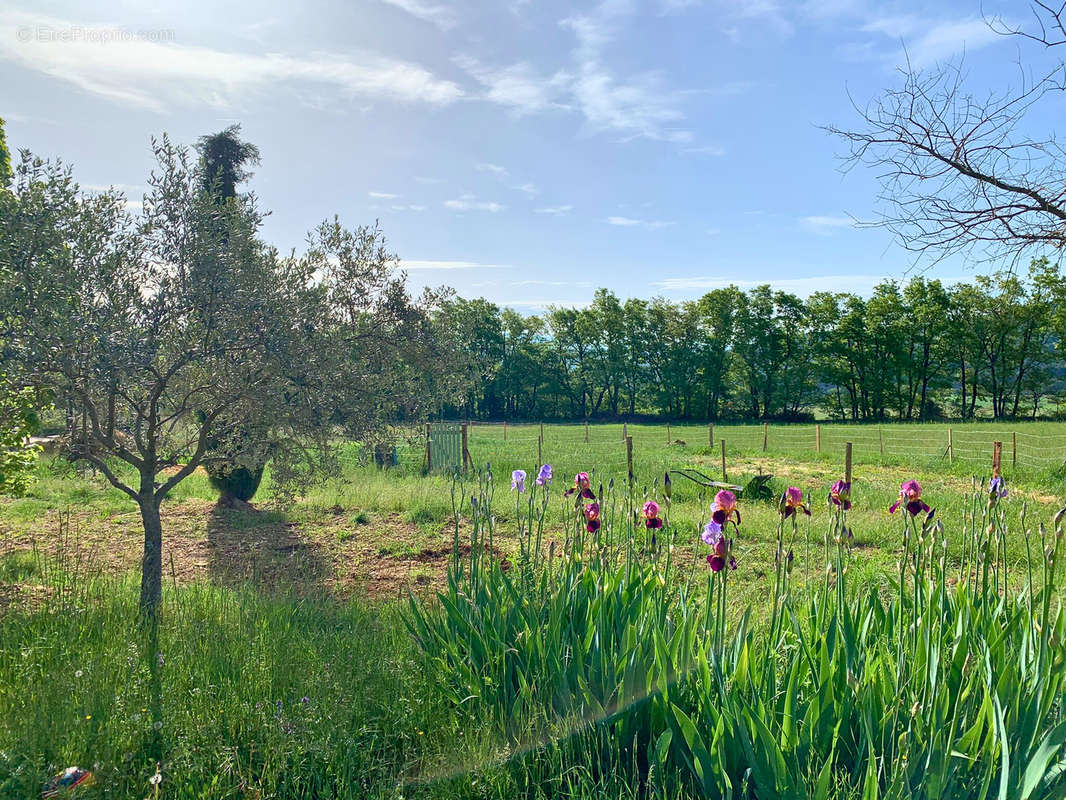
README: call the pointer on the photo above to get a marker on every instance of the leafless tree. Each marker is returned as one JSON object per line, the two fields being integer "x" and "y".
{"x": 958, "y": 170}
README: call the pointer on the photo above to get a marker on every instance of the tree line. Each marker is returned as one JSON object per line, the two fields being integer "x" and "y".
{"x": 914, "y": 350}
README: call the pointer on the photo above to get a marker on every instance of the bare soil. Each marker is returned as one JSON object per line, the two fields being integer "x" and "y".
{"x": 336, "y": 550}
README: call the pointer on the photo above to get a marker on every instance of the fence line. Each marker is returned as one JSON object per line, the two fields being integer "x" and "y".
{"x": 520, "y": 445}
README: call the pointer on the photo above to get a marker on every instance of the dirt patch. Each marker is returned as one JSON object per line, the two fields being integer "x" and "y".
{"x": 345, "y": 552}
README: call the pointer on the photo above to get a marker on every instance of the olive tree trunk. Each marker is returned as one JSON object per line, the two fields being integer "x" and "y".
{"x": 152, "y": 561}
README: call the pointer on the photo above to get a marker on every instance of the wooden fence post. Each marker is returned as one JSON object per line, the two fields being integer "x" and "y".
{"x": 881, "y": 440}
{"x": 505, "y": 430}
{"x": 625, "y": 431}
{"x": 710, "y": 434}
{"x": 629, "y": 458}
{"x": 586, "y": 431}
{"x": 668, "y": 433}
{"x": 724, "y": 479}
{"x": 540, "y": 450}
{"x": 951, "y": 448}
{"x": 997, "y": 459}
{"x": 847, "y": 463}
{"x": 1014, "y": 449}
{"x": 765, "y": 435}
{"x": 429, "y": 457}
{"x": 542, "y": 430}
{"x": 466, "y": 452}
{"x": 818, "y": 438}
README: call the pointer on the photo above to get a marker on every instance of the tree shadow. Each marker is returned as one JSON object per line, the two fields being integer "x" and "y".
{"x": 264, "y": 550}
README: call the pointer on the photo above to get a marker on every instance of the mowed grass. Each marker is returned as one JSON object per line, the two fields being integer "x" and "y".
{"x": 403, "y": 510}
{"x": 215, "y": 697}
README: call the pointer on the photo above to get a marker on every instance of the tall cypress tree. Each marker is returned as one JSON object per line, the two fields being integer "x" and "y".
{"x": 224, "y": 163}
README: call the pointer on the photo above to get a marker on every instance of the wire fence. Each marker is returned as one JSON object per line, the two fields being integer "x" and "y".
{"x": 508, "y": 445}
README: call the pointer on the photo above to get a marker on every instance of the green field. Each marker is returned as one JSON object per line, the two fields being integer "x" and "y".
{"x": 283, "y": 666}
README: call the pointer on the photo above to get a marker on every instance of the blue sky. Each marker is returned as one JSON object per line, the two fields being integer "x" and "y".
{"x": 520, "y": 150}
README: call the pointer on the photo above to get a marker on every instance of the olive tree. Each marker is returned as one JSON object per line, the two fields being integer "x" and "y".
{"x": 181, "y": 340}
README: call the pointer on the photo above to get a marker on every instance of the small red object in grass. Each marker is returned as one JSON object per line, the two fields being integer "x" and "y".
{"x": 64, "y": 784}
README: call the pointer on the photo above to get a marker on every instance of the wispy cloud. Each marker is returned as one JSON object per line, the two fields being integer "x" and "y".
{"x": 449, "y": 265}
{"x": 926, "y": 40}
{"x": 161, "y": 75}
{"x": 495, "y": 169}
{"x": 517, "y": 86}
{"x": 557, "y": 210}
{"x": 383, "y": 195}
{"x": 469, "y": 202}
{"x": 946, "y": 39}
{"x": 769, "y": 14}
{"x": 827, "y": 224}
{"x": 640, "y": 106}
{"x": 706, "y": 150}
{"x": 526, "y": 188}
{"x": 440, "y": 15}
{"x": 408, "y": 207}
{"x": 424, "y": 179}
{"x": 630, "y": 222}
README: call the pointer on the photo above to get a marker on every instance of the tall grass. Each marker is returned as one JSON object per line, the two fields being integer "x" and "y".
{"x": 233, "y": 695}
{"x": 947, "y": 684}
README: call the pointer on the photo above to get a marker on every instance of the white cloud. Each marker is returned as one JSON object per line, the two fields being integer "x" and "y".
{"x": 637, "y": 106}
{"x": 629, "y": 222}
{"x": 860, "y": 284}
{"x": 640, "y": 106}
{"x": 401, "y": 207}
{"x": 707, "y": 150}
{"x": 383, "y": 195}
{"x": 160, "y": 75}
{"x": 423, "y": 179}
{"x": 518, "y": 86}
{"x": 947, "y": 39}
{"x": 557, "y": 210}
{"x": 926, "y": 40}
{"x": 495, "y": 169}
{"x": 439, "y": 265}
{"x": 440, "y": 15}
{"x": 766, "y": 13}
{"x": 826, "y": 224}
{"x": 527, "y": 188}
{"x": 469, "y": 202}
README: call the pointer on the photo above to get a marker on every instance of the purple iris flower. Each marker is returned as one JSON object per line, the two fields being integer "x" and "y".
{"x": 544, "y": 477}
{"x": 910, "y": 496}
{"x": 840, "y": 495}
{"x": 712, "y": 532}
{"x": 518, "y": 480}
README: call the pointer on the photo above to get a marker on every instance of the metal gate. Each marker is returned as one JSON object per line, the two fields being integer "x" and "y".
{"x": 445, "y": 446}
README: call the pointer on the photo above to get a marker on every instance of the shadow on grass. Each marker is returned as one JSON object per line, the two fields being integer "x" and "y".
{"x": 265, "y": 550}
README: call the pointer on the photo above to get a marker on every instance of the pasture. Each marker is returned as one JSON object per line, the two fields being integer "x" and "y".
{"x": 284, "y": 663}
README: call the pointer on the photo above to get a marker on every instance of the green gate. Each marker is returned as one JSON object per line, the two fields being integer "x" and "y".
{"x": 445, "y": 446}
